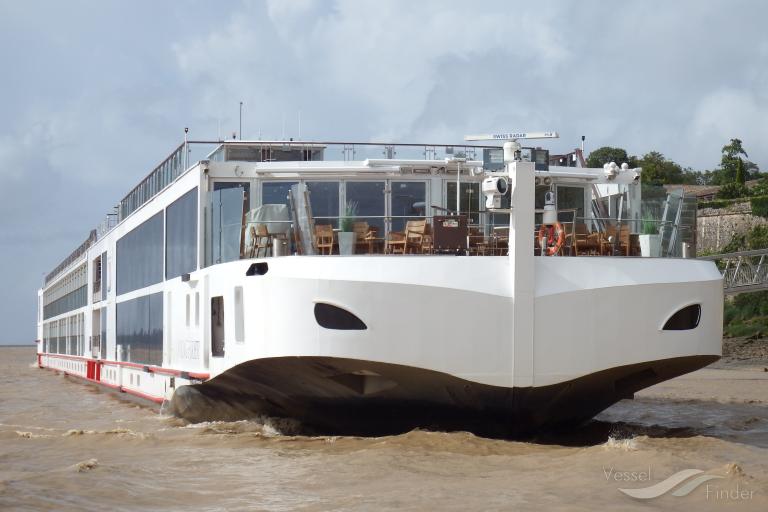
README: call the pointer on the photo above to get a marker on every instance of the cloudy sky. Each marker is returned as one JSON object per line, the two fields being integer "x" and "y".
{"x": 94, "y": 94}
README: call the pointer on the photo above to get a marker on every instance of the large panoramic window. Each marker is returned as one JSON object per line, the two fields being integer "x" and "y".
{"x": 469, "y": 199}
{"x": 324, "y": 197}
{"x": 140, "y": 256}
{"x": 275, "y": 192}
{"x": 571, "y": 198}
{"x": 369, "y": 198}
{"x": 140, "y": 329}
{"x": 227, "y": 211}
{"x": 408, "y": 202}
{"x": 181, "y": 235}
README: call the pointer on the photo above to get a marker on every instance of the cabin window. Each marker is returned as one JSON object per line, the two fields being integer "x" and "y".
{"x": 276, "y": 192}
{"x": 370, "y": 200}
{"x": 72, "y": 344}
{"x": 470, "y": 200}
{"x": 409, "y": 200}
{"x": 571, "y": 198}
{"x": 69, "y": 293}
{"x": 52, "y": 338}
{"x": 229, "y": 204}
{"x": 140, "y": 256}
{"x": 105, "y": 260}
{"x": 96, "y": 266}
{"x": 140, "y": 329}
{"x": 103, "y": 335}
{"x": 324, "y": 196}
{"x": 181, "y": 235}
{"x": 217, "y": 326}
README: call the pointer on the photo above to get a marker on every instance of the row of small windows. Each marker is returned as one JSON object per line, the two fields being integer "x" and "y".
{"x": 66, "y": 285}
{"x": 69, "y": 302}
{"x": 158, "y": 179}
{"x": 65, "y": 336}
{"x": 140, "y": 252}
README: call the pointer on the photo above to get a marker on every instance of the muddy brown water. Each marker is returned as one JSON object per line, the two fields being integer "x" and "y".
{"x": 65, "y": 445}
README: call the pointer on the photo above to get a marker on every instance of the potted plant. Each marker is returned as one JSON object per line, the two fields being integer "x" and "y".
{"x": 650, "y": 240}
{"x": 347, "y": 232}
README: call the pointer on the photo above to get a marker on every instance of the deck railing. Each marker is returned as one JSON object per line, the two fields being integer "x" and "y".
{"x": 383, "y": 234}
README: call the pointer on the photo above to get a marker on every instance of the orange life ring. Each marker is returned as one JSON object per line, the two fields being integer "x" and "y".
{"x": 555, "y": 234}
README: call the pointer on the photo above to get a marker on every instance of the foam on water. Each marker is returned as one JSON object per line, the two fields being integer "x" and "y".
{"x": 65, "y": 446}
{"x": 629, "y": 444}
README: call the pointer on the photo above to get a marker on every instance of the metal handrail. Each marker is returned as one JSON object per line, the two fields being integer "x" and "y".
{"x": 714, "y": 257}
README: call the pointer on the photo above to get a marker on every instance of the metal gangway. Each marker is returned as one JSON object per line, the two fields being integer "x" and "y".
{"x": 743, "y": 271}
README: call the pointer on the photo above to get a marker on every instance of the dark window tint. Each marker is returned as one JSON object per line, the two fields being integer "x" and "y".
{"x": 181, "y": 235}
{"x": 685, "y": 319}
{"x": 73, "y": 300}
{"x": 104, "y": 277}
{"x": 217, "y": 326}
{"x": 103, "y": 336}
{"x": 333, "y": 317}
{"x": 408, "y": 202}
{"x": 140, "y": 329}
{"x": 275, "y": 192}
{"x": 370, "y": 200}
{"x": 470, "y": 200}
{"x": 324, "y": 196}
{"x": 571, "y": 198}
{"x": 140, "y": 256}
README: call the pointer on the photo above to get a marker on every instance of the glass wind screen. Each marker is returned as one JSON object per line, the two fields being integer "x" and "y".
{"x": 470, "y": 199}
{"x": 369, "y": 198}
{"x": 408, "y": 202}
{"x": 276, "y": 192}
{"x": 226, "y": 224}
{"x": 569, "y": 198}
{"x": 324, "y": 198}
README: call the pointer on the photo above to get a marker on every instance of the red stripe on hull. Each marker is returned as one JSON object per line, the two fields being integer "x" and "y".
{"x": 151, "y": 398}
{"x": 150, "y": 368}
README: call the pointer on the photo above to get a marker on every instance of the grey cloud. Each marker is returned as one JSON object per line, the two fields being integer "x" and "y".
{"x": 94, "y": 94}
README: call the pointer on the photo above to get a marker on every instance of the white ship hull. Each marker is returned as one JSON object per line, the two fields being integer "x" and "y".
{"x": 427, "y": 357}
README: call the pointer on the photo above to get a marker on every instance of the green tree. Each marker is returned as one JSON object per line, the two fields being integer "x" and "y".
{"x": 740, "y": 177}
{"x": 729, "y": 164}
{"x": 757, "y": 238}
{"x": 733, "y": 190}
{"x": 607, "y": 154}
{"x": 658, "y": 170}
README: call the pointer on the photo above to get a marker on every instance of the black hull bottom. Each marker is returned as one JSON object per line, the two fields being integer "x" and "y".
{"x": 354, "y": 397}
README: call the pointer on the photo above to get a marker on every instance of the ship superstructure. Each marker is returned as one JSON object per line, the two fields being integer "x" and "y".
{"x": 360, "y": 287}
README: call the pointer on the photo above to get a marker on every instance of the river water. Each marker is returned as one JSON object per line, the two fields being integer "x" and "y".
{"x": 65, "y": 445}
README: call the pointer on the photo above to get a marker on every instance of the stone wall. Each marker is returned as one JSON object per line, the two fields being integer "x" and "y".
{"x": 715, "y": 227}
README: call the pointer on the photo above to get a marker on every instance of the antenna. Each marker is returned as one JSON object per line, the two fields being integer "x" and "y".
{"x": 241, "y": 120}
{"x": 513, "y": 136}
{"x": 512, "y": 148}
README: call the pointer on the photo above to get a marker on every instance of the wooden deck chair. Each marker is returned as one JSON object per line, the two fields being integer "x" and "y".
{"x": 324, "y": 238}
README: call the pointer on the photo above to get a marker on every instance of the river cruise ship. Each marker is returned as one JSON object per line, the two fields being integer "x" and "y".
{"x": 367, "y": 288}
